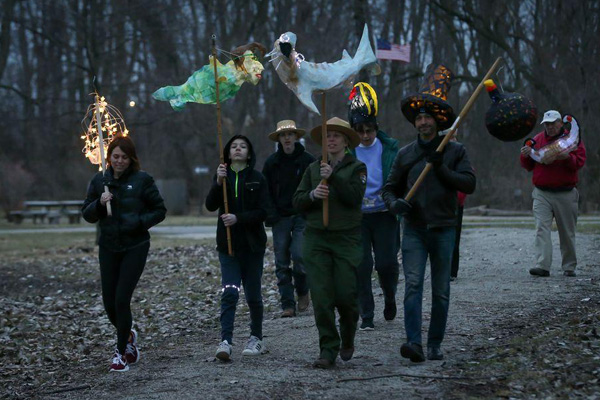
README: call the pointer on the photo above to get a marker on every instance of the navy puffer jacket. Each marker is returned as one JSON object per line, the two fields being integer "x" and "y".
{"x": 136, "y": 207}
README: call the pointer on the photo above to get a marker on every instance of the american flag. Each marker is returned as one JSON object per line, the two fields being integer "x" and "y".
{"x": 391, "y": 51}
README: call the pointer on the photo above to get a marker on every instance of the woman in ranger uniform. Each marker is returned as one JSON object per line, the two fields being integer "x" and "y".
{"x": 332, "y": 253}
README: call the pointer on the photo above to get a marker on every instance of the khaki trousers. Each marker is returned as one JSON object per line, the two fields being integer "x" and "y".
{"x": 563, "y": 207}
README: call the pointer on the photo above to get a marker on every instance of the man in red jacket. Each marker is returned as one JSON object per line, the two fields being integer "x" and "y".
{"x": 554, "y": 195}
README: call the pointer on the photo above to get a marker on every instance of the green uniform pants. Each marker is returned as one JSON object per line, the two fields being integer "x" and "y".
{"x": 331, "y": 259}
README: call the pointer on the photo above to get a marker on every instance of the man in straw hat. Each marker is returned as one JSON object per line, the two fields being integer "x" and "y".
{"x": 332, "y": 253}
{"x": 430, "y": 217}
{"x": 283, "y": 170}
{"x": 380, "y": 228}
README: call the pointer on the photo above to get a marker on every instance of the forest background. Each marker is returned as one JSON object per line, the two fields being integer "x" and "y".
{"x": 50, "y": 50}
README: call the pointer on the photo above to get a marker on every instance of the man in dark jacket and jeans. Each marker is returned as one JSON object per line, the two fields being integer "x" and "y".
{"x": 430, "y": 217}
{"x": 283, "y": 170}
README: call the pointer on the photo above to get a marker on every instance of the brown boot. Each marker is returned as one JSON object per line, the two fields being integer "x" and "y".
{"x": 346, "y": 354}
{"x": 303, "y": 302}
{"x": 323, "y": 363}
{"x": 288, "y": 313}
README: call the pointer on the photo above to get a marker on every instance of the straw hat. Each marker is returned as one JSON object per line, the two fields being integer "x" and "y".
{"x": 287, "y": 125}
{"x": 338, "y": 125}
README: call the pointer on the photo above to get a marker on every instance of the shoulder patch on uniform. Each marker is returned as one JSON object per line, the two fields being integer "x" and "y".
{"x": 363, "y": 178}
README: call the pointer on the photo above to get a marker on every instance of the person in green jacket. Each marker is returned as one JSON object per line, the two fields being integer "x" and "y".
{"x": 380, "y": 228}
{"x": 332, "y": 253}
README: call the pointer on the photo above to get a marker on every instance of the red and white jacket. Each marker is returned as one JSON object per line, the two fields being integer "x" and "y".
{"x": 561, "y": 174}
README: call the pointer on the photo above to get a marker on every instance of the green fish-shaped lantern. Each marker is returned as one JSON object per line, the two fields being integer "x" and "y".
{"x": 200, "y": 86}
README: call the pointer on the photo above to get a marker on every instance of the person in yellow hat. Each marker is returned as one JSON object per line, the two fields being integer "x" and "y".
{"x": 283, "y": 171}
{"x": 332, "y": 253}
{"x": 380, "y": 228}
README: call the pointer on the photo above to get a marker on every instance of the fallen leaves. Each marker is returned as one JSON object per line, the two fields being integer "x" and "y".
{"x": 52, "y": 310}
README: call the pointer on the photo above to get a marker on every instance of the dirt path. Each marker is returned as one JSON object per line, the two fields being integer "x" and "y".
{"x": 495, "y": 303}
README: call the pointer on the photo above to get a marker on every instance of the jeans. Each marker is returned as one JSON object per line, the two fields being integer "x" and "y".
{"x": 418, "y": 244}
{"x": 380, "y": 235}
{"x": 120, "y": 272}
{"x": 245, "y": 267}
{"x": 288, "y": 234}
{"x": 456, "y": 253}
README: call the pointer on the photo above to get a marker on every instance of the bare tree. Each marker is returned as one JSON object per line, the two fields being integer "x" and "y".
{"x": 50, "y": 51}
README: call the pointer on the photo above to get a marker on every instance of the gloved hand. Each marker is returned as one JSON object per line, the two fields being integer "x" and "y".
{"x": 401, "y": 207}
{"x": 435, "y": 159}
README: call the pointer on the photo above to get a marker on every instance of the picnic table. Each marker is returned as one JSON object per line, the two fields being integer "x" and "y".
{"x": 40, "y": 210}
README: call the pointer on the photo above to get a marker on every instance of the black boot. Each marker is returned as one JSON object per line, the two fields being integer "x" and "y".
{"x": 434, "y": 353}
{"x": 412, "y": 351}
{"x": 388, "y": 283}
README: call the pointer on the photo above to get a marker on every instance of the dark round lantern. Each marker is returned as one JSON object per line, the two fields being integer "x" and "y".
{"x": 511, "y": 116}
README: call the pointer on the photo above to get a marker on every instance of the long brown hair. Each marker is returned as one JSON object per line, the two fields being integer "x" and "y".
{"x": 126, "y": 145}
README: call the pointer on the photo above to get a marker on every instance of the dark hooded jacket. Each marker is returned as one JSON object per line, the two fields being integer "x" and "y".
{"x": 136, "y": 207}
{"x": 284, "y": 173}
{"x": 248, "y": 200}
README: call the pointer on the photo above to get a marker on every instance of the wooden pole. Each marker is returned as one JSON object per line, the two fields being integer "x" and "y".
{"x": 448, "y": 136}
{"x": 324, "y": 155}
{"x": 220, "y": 136}
{"x": 101, "y": 149}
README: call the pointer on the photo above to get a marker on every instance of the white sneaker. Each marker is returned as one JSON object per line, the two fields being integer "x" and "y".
{"x": 224, "y": 351}
{"x": 254, "y": 347}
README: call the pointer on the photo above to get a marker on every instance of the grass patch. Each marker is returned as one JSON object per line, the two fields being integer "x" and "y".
{"x": 592, "y": 228}
{"x": 16, "y": 246}
{"x": 24, "y": 244}
{"x": 161, "y": 242}
{"x": 170, "y": 220}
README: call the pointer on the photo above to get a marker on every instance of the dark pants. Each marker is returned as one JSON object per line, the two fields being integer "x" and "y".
{"x": 120, "y": 273}
{"x": 417, "y": 245}
{"x": 331, "y": 259}
{"x": 243, "y": 268}
{"x": 288, "y": 233}
{"x": 380, "y": 235}
{"x": 456, "y": 255}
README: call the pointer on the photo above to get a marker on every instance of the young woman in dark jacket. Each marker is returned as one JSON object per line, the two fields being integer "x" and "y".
{"x": 248, "y": 199}
{"x": 124, "y": 239}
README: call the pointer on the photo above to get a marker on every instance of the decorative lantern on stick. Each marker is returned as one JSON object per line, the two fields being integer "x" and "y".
{"x": 213, "y": 84}
{"x": 511, "y": 116}
{"x": 101, "y": 123}
{"x": 306, "y": 78}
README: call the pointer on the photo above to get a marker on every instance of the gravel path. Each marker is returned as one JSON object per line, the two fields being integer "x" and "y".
{"x": 493, "y": 299}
